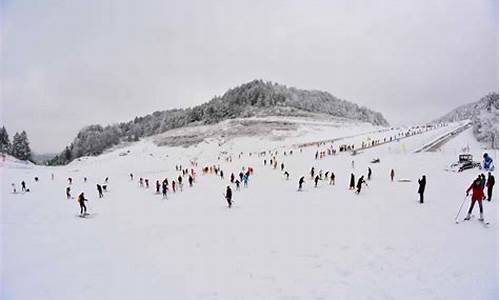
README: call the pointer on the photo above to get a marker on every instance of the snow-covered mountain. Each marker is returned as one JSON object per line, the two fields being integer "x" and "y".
{"x": 484, "y": 117}
{"x": 253, "y": 99}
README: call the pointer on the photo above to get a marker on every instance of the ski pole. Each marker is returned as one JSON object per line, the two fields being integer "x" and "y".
{"x": 456, "y": 218}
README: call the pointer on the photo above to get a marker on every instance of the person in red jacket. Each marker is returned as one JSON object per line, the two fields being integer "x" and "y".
{"x": 477, "y": 195}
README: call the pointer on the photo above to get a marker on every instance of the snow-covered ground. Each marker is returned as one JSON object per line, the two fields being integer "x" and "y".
{"x": 275, "y": 243}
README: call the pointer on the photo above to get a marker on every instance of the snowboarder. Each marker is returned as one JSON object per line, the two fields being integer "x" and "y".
{"x": 477, "y": 195}
{"x": 392, "y": 174}
{"x": 81, "y": 201}
{"x": 489, "y": 185}
{"x": 99, "y": 190}
{"x": 229, "y": 196}
{"x": 301, "y": 182}
{"x": 352, "y": 182}
{"x": 361, "y": 180}
{"x": 68, "y": 192}
{"x": 316, "y": 179}
{"x": 421, "y": 188}
{"x": 369, "y": 173}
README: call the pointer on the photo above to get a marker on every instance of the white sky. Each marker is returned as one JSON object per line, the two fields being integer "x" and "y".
{"x": 67, "y": 64}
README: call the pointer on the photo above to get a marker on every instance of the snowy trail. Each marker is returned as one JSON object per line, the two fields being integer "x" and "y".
{"x": 275, "y": 242}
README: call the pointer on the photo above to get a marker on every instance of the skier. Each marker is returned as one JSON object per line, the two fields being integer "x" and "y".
{"x": 36, "y": 179}
{"x": 421, "y": 188}
{"x": 99, "y": 190}
{"x": 85, "y": 179}
{"x": 361, "y": 180}
{"x": 229, "y": 196}
{"x": 301, "y": 181}
{"x": 489, "y": 185}
{"x": 312, "y": 172}
{"x": 23, "y": 186}
{"x": 483, "y": 181}
{"x": 70, "y": 180}
{"x": 190, "y": 180}
{"x": 265, "y": 162}
{"x": 179, "y": 180}
{"x": 237, "y": 184}
{"x": 392, "y": 174}
{"x": 332, "y": 179}
{"x": 106, "y": 180}
{"x": 14, "y": 188}
{"x": 173, "y": 186}
{"x": 352, "y": 182}
{"x": 81, "y": 201}
{"x": 68, "y": 192}
{"x": 141, "y": 182}
{"x": 369, "y": 173}
{"x": 232, "y": 177}
{"x": 316, "y": 179}
{"x": 282, "y": 166}
{"x": 221, "y": 174}
{"x": 477, "y": 195}
{"x": 131, "y": 177}
{"x": 287, "y": 175}
{"x": 241, "y": 176}
{"x": 245, "y": 179}
{"x": 157, "y": 186}
{"x": 164, "y": 189}
{"x": 146, "y": 181}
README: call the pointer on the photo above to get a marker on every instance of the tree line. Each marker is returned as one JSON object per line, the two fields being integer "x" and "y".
{"x": 20, "y": 146}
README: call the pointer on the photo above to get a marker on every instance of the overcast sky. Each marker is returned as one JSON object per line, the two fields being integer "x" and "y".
{"x": 67, "y": 64}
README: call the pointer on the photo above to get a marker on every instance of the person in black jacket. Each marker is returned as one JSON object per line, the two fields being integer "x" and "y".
{"x": 361, "y": 180}
{"x": 421, "y": 188}
{"x": 229, "y": 196}
{"x": 369, "y": 173}
{"x": 489, "y": 185}
{"x": 352, "y": 182}
{"x": 81, "y": 201}
{"x": 301, "y": 182}
{"x": 316, "y": 179}
{"x": 99, "y": 190}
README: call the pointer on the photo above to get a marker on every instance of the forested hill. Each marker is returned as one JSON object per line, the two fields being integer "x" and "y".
{"x": 484, "y": 116}
{"x": 250, "y": 99}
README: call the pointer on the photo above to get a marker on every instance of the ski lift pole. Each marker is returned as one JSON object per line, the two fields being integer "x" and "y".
{"x": 456, "y": 218}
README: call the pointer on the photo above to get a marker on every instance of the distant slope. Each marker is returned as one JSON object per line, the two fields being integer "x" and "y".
{"x": 484, "y": 117}
{"x": 255, "y": 98}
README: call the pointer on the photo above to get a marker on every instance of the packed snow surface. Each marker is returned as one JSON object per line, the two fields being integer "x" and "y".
{"x": 274, "y": 243}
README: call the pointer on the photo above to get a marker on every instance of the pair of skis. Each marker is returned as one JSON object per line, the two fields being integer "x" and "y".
{"x": 485, "y": 223}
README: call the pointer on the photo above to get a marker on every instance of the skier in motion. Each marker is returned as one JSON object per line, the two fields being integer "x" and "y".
{"x": 83, "y": 208}
{"x": 477, "y": 196}
{"x": 421, "y": 188}
{"x": 361, "y": 180}
{"x": 229, "y": 196}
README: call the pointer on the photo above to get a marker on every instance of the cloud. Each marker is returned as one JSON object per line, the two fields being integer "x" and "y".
{"x": 68, "y": 64}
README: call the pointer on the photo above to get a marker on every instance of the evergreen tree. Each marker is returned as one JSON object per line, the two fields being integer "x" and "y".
{"x": 20, "y": 146}
{"x": 4, "y": 141}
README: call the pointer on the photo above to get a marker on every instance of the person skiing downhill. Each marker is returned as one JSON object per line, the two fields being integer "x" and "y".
{"x": 99, "y": 190}
{"x": 301, "y": 182}
{"x": 392, "y": 174}
{"x": 489, "y": 185}
{"x": 81, "y": 201}
{"x": 352, "y": 182}
{"x": 421, "y": 188}
{"x": 229, "y": 196}
{"x": 361, "y": 180}
{"x": 477, "y": 196}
